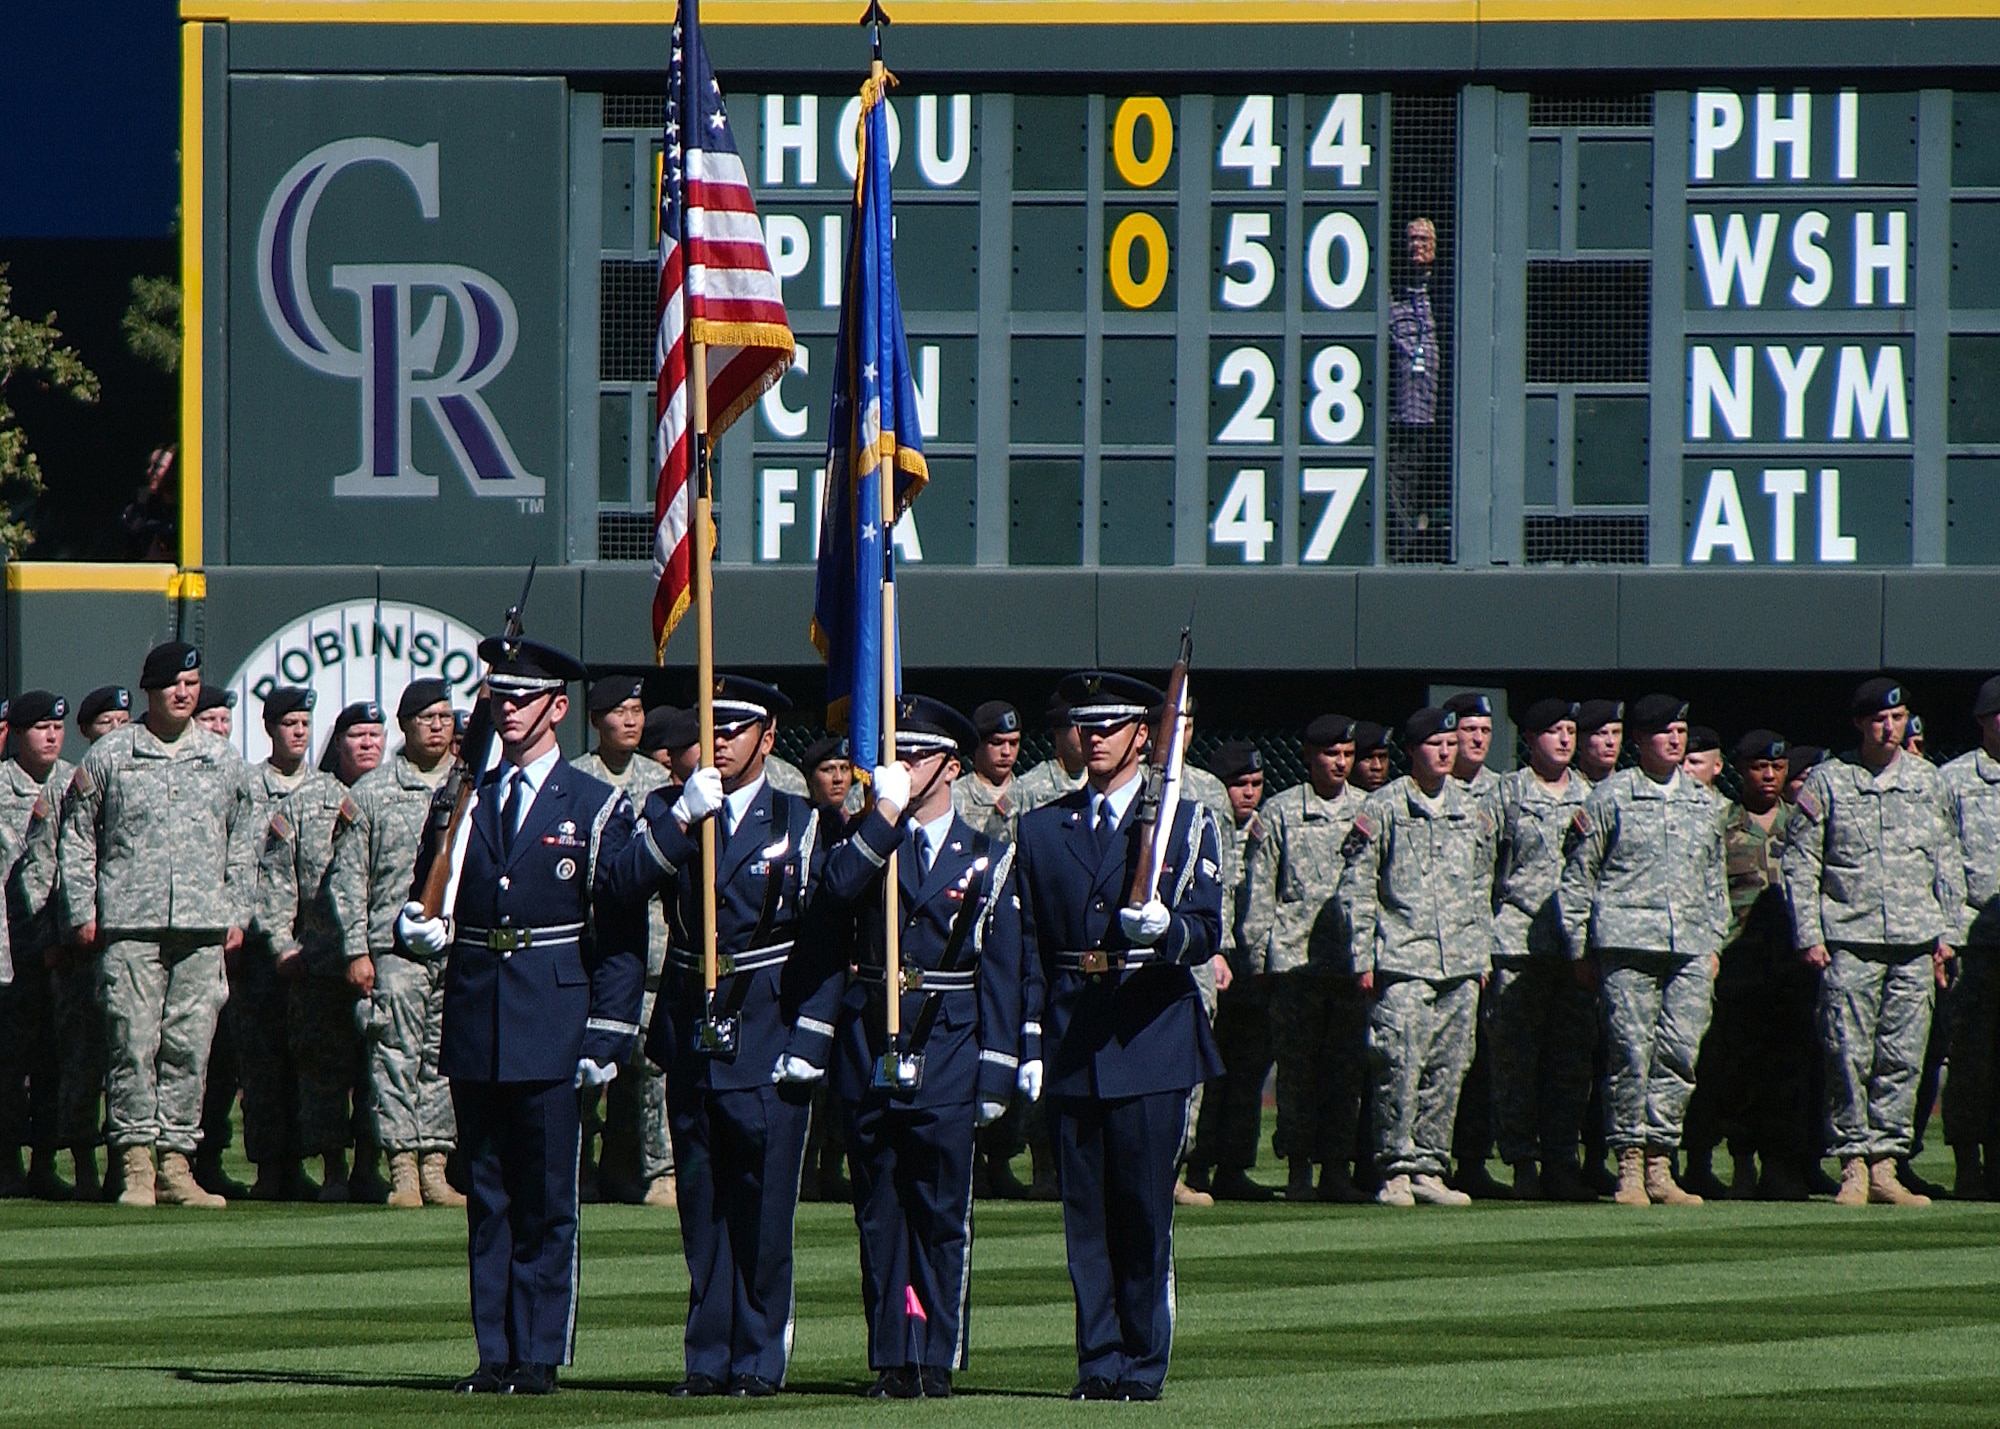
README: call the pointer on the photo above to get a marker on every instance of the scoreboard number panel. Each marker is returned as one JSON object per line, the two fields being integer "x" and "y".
{"x": 1089, "y": 312}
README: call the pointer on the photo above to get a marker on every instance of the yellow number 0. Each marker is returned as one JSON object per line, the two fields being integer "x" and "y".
{"x": 1142, "y": 173}
{"x": 1143, "y": 289}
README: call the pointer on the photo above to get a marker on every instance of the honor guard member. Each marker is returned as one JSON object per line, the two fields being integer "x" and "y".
{"x": 638, "y": 1160}
{"x": 104, "y": 709}
{"x": 541, "y": 1000}
{"x": 1373, "y": 767}
{"x": 31, "y": 782}
{"x": 1971, "y": 1115}
{"x": 1229, "y": 1121}
{"x": 1416, "y": 884}
{"x": 329, "y": 989}
{"x": 986, "y": 795}
{"x": 1296, "y": 934}
{"x": 1644, "y": 898}
{"x": 404, "y": 986}
{"x": 158, "y": 873}
{"x": 1126, "y": 1039}
{"x": 741, "y": 1066}
{"x": 1877, "y": 885}
{"x": 257, "y": 1018}
{"x": 1062, "y": 773}
{"x": 909, "y": 1107}
{"x": 1540, "y": 1020}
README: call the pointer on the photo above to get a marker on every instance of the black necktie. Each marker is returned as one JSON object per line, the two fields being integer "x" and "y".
{"x": 923, "y": 853}
{"x": 510, "y": 812}
{"x": 1107, "y": 824}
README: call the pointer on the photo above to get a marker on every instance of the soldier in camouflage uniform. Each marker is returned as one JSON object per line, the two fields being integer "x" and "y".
{"x": 257, "y": 1017}
{"x": 1877, "y": 887}
{"x": 325, "y": 1011}
{"x": 1373, "y": 756}
{"x": 1750, "y": 1077}
{"x": 31, "y": 783}
{"x": 1540, "y": 1020}
{"x": 1472, "y": 1136}
{"x": 785, "y": 776}
{"x": 374, "y": 856}
{"x": 104, "y": 709}
{"x": 1230, "y": 1120}
{"x": 1971, "y": 1116}
{"x": 1057, "y": 776}
{"x": 1600, "y": 740}
{"x": 1296, "y": 941}
{"x": 1643, "y": 895}
{"x": 637, "y": 1164}
{"x": 985, "y": 795}
{"x": 156, "y": 853}
{"x": 1416, "y": 884}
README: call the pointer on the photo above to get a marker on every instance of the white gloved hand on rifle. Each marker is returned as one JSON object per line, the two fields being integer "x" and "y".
{"x": 421, "y": 934}
{"x": 1146, "y": 924}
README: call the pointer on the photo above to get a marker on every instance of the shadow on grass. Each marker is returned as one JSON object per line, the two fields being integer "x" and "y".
{"x": 319, "y": 1379}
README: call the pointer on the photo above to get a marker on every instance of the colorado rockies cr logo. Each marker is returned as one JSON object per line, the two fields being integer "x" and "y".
{"x": 398, "y": 360}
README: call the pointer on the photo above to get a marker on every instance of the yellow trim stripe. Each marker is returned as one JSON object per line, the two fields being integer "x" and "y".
{"x": 1074, "y": 12}
{"x": 192, "y": 244}
{"x": 149, "y": 578}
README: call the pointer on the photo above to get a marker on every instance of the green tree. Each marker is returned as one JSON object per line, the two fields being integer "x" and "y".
{"x": 152, "y": 323}
{"x": 31, "y": 353}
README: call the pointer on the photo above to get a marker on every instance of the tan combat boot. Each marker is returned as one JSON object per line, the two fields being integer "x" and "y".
{"x": 662, "y": 1193}
{"x": 1661, "y": 1188}
{"x": 430, "y": 1178}
{"x": 177, "y": 1186}
{"x": 404, "y": 1192}
{"x": 1632, "y": 1178}
{"x": 1853, "y": 1183}
{"x": 138, "y": 1163}
{"x": 1885, "y": 1190}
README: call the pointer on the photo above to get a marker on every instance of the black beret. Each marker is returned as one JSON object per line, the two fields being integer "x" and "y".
{"x": 925, "y": 725}
{"x": 996, "y": 717}
{"x": 1653, "y": 713}
{"x": 214, "y": 697}
{"x": 360, "y": 712}
{"x": 1328, "y": 730}
{"x": 104, "y": 697}
{"x": 1701, "y": 739}
{"x": 1547, "y": 714}
{"x": 654, "y": 737}
{"x": 820, "y": 751}
{"x": 166, "y": 663}
{"x": 1759, "y": 744}
{"x": 31, "y": 707}
{"x": 1469, "y": 702}
{"x": 281, "y": 700}
{"x": 1988, "y": 700}
{"x": 1055, "y": 714}
{"x": 607, "y": 692}
{"x": 420, "y": 695}
{"x": 1915, "y": 728}
{"x": 1426, "y": 722}
{"x": 1801, "y": 757}
{"x": 1369, "y": 737}
{"x": 1236, "y": 758}
{"x": 1593, "y": 715}
{"x": 1874, "y": 696}
{"x": 1105, "y": 699}
{"x": 680, "y": 729}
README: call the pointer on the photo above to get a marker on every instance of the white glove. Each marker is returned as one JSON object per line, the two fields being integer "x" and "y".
{"x": 1029, "y": 1080}
{"x": 990, "y": 1112}
{"x": 594, "y": 1074}
{"x": 892, "y": 786}
{"x": 796, "y": 1070}
{"x": 701, "y": 797}
{"x": 421, "y": 934}
{"x": 1145, "y": 925}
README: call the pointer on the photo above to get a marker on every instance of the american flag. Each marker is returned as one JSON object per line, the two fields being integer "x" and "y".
{"x": 716, "y": 287}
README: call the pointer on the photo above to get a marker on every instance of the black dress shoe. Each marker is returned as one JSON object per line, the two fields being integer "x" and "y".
{"x": 896, "y": 1382}
{"x": 1134, "y": 1392}
{"x": 489, "y": 1378}
{"x": 531, "y": 1379}
{"x": 935, "y": 1382}
{"x": 751, "y": 1386}
{"x": 1231, "y": 1184}
{"x": 1094, "y": 1386}
{"x": 698, "y": 1386}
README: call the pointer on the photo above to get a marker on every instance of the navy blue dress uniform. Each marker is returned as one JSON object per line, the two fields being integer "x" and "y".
{"x": 738, "y": 1137}
{"x": 910, "y": 1145}
{"x": 1126, "y": 1040}
{"x": 544, "y": 973}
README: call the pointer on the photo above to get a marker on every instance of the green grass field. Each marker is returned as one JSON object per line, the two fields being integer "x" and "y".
{"x": 1530, "y": 1315}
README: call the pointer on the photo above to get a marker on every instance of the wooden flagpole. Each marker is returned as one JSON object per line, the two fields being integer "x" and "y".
{"x": 704, "y": 631}
{"x": 892, "y": 922}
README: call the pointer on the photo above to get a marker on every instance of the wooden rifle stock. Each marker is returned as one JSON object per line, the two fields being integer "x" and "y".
{"x": 1160, "y": 796}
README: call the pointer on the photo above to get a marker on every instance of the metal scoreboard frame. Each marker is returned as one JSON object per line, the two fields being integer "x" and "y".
{"x": 1790, "y": 460}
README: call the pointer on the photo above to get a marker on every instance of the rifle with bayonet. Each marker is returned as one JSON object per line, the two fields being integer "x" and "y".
{"x": 1160, "y": 796}
{"x": 453, "y": 800}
